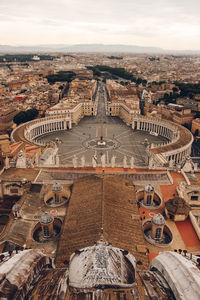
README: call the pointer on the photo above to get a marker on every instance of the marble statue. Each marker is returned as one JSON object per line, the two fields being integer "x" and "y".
{"x": 21, "y": 160}
{"x": 132, "y": 162}
{"x": 74, "y": 161}
{"x": 7, "y": 163}
{"x": 94, "y": 161}
{"x": 82, "y": 161}
{"x": 171, "y": 163}
{"x": 103, "y": 161}
{"x": 151, "y": 164}
{"x": 125, "y": 162}
{"x": 113, "y": 161}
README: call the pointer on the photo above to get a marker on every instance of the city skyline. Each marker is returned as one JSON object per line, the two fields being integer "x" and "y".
{"x": 172, "y": 25}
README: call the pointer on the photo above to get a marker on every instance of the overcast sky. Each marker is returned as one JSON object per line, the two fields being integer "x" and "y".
{"x": 170, "y": 24}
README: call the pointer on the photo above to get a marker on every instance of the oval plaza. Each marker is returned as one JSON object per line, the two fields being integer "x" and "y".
{"x": 146, "y": 140}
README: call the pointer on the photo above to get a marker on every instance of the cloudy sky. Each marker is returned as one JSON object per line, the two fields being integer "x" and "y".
{"x": 170, "y": 24}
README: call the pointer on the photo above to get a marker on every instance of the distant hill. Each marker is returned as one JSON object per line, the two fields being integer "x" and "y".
{"x": 112, "y": 48}
{"x": 99, "y": 48}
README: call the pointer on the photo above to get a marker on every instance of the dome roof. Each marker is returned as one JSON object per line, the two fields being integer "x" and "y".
{"x": 177, "y": 206}
{"x": 15, "y": 207}
{"x": 56, "y": 187}
{"x": 101, "y": 264}
{"x": 46, "y": 218}
{"x": 158, "y": 219}
{"x": 181, "y": 274}
{"x": 18, "y": 273}
{"x": 149, "y": 188}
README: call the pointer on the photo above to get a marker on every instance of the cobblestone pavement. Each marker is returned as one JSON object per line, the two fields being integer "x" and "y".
{"x": 121, "y": 140}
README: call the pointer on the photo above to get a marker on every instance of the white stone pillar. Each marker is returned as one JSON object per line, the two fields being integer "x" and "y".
{"x": 70, "y": 124}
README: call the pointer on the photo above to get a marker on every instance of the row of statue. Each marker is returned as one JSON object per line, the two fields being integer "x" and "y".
{"x": 102, "y": 162}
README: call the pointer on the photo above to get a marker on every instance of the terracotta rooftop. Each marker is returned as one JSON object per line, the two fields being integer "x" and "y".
{"x": 101, "y": 208}
{"x": 184, "y": 139}
{"x": 14, "y": 173}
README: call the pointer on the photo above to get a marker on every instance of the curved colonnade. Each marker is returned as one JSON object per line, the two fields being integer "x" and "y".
{"x": 36, "y": 128}
{"x": 180, "y": 138}
{"x": 175, "y": 151}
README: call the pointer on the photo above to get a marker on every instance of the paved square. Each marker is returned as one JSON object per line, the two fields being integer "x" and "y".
{"x": 120, "y": 140}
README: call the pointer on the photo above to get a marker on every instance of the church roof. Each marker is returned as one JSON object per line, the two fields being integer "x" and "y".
{"x": 148, "y": 188}
{"x": 46, "y": 218}
{"x": 102, "y": 265}
{"x": 56, "y": 187}
{"x": 177, "y": 206}
{"x": 101, "y": 208}
{"x": 158, "y": 219}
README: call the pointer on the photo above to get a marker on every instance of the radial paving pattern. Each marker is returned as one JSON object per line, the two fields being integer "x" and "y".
{"x": 119, "y": 140}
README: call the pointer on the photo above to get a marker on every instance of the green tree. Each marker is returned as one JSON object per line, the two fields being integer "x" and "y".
{"x": 25, "y": 116}
{"x": 175, "y": 89}
{"x": 20, "y": 118}
{"x": 166, "y": 96}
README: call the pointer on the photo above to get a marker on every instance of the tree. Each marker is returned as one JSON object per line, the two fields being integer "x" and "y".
{"x": 20, "y": 118}
{"x": 62, "y": 76}
{"x": 175, "y": 89}
{"x": 166, "y": 96}
{"x": 25, "y": 116}
{"x": 139, "y": 81}
{"x": 34, "y": 112}
{"x": 144, "y": 82}
{"x": 190, "y": 95}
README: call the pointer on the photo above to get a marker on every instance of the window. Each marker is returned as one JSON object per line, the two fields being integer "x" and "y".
{"x": 158, "y": 233}
{"x": 46, "y": 231}
{"x": 195, "y": 198}
{"x": 56, "y": 198}
{"x": 13, "y": 190}
{"x": 149, "y": 200}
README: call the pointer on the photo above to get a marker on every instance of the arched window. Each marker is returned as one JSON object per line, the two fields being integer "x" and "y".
{"x": 158, "y": 233}
{"x": 46, "y": 231}
{"x": 56, "y": 198}
{"x": 149, "y": 199}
